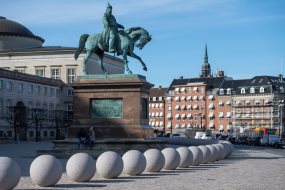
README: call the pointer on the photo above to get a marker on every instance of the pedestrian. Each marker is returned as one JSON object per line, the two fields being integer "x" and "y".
{"x": 91, "y": 137}
{"x": 82, "y": 138}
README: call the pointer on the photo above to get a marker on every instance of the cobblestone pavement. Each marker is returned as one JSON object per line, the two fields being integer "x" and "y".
{"x": 246, "y": 168}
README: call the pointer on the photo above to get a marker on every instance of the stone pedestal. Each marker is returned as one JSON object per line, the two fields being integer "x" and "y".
{"x": 115, "y": 105}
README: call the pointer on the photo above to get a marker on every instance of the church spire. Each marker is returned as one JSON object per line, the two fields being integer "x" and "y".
{"x": 206, "y": 54}
{"x": 206, "y": 68}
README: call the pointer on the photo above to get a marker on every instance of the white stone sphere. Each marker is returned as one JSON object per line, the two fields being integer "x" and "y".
{"x": 227, "y": 148}
{"x": 216, "y": 152}
{"x": 10, "y": 173}
{"x": 80, "y": 167}
{"x": 197, "y": 155}
{"x": 186, "y": 157}
{"x": 45, "y": 170}
{"x": 134, "y": 162}
{"x": 172, "y": 158}
{"x": 206, "y": 154}
{"x": 109, "y": 165}
{"x": 212, "y": 153}
{"x": 232, "y": 148}
{"x": 222, "y": 151}
{"x": 154, "y": 160}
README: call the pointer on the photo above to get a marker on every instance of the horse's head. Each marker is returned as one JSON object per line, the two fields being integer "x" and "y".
{"x": 139, "y": 34}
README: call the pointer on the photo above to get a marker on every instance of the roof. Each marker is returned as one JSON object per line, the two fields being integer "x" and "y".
{"x": 12, "y": 28}
{"x": 46, "y": 50}
{"x": 30, "y": 78}
{"x": 211, "y": 82}
{"x": 157, "y": 92}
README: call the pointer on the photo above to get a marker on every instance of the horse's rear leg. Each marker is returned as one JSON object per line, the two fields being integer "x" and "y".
{"x": 100, "y": 53}
{"x": 87, "y": 56}
{"x": 126, "y": 64}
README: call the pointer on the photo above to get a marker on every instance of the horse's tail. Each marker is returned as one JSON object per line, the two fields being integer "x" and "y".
{"x": 81, "y": 45}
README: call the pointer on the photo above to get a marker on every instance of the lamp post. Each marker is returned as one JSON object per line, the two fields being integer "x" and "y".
{"x": 280, "y": 106}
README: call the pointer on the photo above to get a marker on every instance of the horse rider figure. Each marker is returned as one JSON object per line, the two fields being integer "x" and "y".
{"x": 110, "y": 34}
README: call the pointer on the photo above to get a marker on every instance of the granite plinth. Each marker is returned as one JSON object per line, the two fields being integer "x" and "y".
{"x": 131, "y": 119}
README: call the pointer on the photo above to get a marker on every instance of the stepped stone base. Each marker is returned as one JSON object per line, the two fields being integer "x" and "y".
{"x": 66, "y": 148}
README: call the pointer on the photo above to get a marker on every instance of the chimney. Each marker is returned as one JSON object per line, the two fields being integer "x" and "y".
{"x": 181, "y": 77}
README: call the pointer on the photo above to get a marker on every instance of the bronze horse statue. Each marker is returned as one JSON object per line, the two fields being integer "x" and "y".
{"x": 125, "y": 46}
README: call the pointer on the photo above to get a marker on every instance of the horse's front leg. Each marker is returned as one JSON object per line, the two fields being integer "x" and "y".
{"x": 132, "y": 54}
{"x": 126, "y": 64}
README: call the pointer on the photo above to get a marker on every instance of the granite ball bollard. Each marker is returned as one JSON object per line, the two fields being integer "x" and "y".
{"x": 206, "y": 154}
{"x": 10, "y": 173}
{"x": 186, "y": 157}
{"x": 134, "y": 162}
{"x": 81, "y": 167}
{"x": 212, "y": 153}
{"x": 197, "y": 155}
{"x": 219, "y": 149}
{"x": 154, "y": 160}
{"x": 109, "y": 165}
{"x": 228, "y": 148}
{"x": 232, "y": 148}
{"x": 45, "y": 170}
{"x": 172, "y": 158}
{"x": 217, "y": 152}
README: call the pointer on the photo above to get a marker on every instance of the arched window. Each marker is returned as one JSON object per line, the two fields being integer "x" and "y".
{"x": 261, "y": 90}
{"x": 242, "y": 91}
{"x": 252, "y": 90}
{"x": 221, "y": 91}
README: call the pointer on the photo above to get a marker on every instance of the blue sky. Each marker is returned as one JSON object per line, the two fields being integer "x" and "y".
{"x": 245, "y": 37}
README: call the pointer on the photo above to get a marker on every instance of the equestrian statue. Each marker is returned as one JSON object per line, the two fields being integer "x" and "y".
{"x": 113, "y": 39}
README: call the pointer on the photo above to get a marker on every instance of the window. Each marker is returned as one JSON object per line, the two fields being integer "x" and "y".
{"x": 252, "y": 90}
{"x": 38, "y": 90}
{"x": 229, "y": 91}
{"x": 55, "y": 73}
{"x": 45, "y": 90}
{"x": 20, "y": 70}
{"x": 195, "y": 117}
{"x": 1, "y": 107}
{"x": 189, "y": 90}
{"x": 242, "y": 91}
{"x": 221, "y": 91}
{"x": 51, "y": 91}
{"x": 57, "y": 92}
{"x": 45, "y": 133}
{"x": 9, "y": 85}
{"x": 1, "y": 84}
{"x": 202, "y": 89}
{"x": 31, "y": 89}
{"x": 69, "y": 92}
{"x": 71, "y": 75}
{"x": 40, "y": 72}
{"x": 261, "y": 90}
{"x": 202, "y": 107}
{"x": 20, "y": 87}
{"x": 51, "y": 133}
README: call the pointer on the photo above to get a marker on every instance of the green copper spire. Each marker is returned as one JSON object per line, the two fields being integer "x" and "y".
{"x": 206, "y": 54}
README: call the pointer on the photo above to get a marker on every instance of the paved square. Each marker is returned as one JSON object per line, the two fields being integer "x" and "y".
{"x": 248, "y": 168}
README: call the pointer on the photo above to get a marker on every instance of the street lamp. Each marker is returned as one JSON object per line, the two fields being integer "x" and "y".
{"x": 280, "y": 106}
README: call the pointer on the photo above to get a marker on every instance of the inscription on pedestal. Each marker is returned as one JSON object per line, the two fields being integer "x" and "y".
{"x": 106, "y": 108}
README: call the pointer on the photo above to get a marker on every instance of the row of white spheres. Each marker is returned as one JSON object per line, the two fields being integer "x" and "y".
{"x": 46, "y": 170}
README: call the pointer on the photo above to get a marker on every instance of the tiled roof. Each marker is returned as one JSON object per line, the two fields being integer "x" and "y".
{"x": 157, "y": 92}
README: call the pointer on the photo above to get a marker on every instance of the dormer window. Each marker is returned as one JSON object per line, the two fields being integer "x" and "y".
{"x": 229, "y": 91}
{"x": 252, "y": 90}
{"x": 261, "y": 90}
{"x": 242, "y": 91}
{"x": 221, "y": 91}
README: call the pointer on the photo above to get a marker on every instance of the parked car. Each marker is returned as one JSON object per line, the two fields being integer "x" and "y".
{"x": 271, "y": 140}
{"x": 241, "y": 140}
{"x": 223, "y": 137}
{"x": 231, "y": 139}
